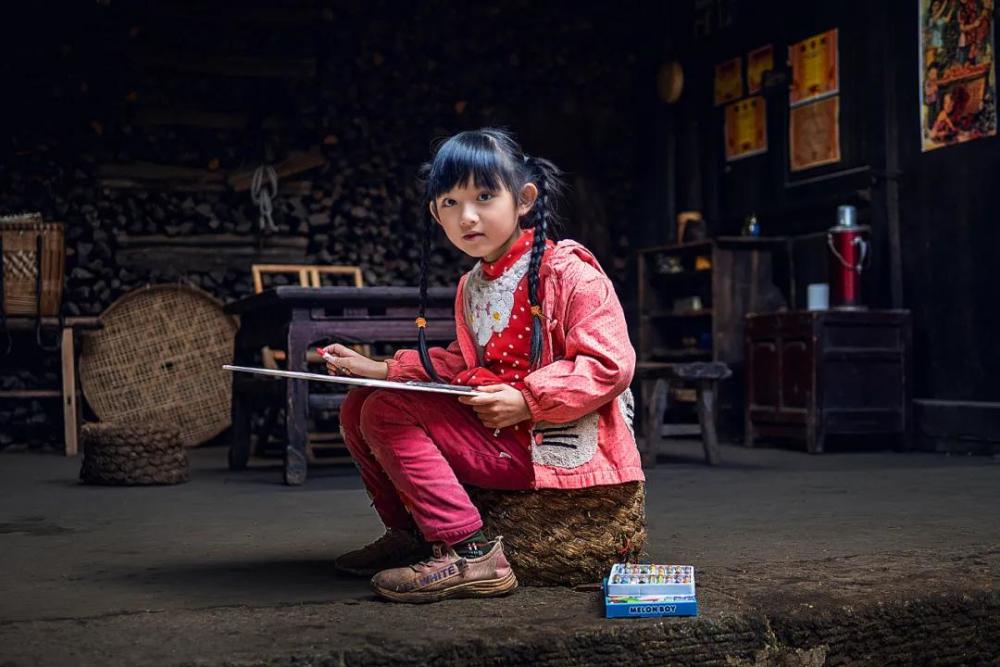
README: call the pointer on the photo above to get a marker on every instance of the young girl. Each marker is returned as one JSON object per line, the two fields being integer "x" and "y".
{"x": 540, "y": 333}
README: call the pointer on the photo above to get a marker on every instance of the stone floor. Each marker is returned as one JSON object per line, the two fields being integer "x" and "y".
{"x": 872, "y": 557}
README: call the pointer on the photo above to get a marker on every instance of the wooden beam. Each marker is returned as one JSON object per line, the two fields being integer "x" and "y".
{"x": 149, "y": 176}
{"x": 27, "y": 323}
{"x": 214, "y": 240}
{"x": 296, "y": 163}
{"x": 268, "y": 17}
{"x": 213, "y": 119}
{"x": 172, "y": 186}
{"x": 219, "y": 120}
{"x": 268, "y": 68}
{"x": 207, "y": 252}
{"x": 30, "y": 393}
{"x": 152, "y": 171}
{"x": 138, "y": 175}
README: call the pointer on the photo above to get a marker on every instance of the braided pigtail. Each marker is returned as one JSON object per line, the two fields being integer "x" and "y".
{"x": 425, "y": 252}
{"x": 546, "y": 177}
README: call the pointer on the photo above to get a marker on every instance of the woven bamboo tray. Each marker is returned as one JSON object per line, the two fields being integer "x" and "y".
{"x": 158, "y": 361}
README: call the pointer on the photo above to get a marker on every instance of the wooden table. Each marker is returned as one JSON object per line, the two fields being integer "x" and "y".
{"x": 298, "y": 318}
{"x": 814, "y": 373}
{"x": 70, "y": 392}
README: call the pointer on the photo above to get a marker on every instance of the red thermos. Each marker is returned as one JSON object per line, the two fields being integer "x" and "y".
{"x": 849, "y": 256}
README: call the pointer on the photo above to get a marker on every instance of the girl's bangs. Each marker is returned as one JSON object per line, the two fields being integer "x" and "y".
{"x": 457, "y": 161}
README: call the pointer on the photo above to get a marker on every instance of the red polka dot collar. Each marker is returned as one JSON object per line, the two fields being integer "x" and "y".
{"x": 521, "y": 246}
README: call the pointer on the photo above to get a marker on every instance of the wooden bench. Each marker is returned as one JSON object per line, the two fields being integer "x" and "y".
{"x": 70, "y": 392}
{"x": 656, "y": 379}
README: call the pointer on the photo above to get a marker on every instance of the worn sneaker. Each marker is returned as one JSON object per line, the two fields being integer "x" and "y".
{"x": 448, "y": 575}
{"x": 394, "y": 549}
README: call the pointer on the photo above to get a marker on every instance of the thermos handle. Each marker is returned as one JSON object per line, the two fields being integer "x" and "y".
{"x": 833, "y": 249}
{"x": 858, "y": 241}
{"x": 840, "y": 258}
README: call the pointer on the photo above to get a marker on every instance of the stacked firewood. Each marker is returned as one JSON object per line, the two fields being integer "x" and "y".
{"x": 146, "y": 129}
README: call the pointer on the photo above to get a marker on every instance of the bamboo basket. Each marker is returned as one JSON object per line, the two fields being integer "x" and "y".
{"x": 32, "y": 247}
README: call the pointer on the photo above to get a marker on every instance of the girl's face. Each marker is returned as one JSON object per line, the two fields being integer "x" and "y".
{"x": 480, "y": 222}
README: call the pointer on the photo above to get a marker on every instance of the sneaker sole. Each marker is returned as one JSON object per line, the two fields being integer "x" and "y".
{"x": 473, "y": 589}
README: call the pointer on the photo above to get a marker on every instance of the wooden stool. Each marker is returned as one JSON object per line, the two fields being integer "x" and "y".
{"x": 656, "y": 378}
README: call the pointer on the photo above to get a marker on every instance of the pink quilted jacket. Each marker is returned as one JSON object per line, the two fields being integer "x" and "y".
{"x": 579, "y": 399}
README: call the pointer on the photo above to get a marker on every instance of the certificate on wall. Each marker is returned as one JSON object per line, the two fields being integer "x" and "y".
{"x": 815, "y": 71}
{"x": 758, "y": 61}
{"x": 814, "y": 134}
{"x": 728, "y": 81}
{"x": 746, "y": 128}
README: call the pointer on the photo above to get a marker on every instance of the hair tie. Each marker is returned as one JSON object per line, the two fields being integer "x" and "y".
{"x": 421, "y": 323}
{"x": 536, "y": 311}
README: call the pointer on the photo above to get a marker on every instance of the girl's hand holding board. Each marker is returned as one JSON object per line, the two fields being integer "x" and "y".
{"x": 498, "y": 406}
{"x": 342, "y": 360}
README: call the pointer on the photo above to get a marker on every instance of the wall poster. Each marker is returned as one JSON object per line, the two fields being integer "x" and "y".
{"x": 815, "y": 70}
{"x": 814, "y": 133}
{"x": 758, "y": 61}
{"x": 746, "y": 128}
{"x": 728, "y": 81}
{"x": 957, "y": 72}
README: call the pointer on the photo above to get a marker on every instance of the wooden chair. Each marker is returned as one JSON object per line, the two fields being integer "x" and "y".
{"x": 308, "y": 275}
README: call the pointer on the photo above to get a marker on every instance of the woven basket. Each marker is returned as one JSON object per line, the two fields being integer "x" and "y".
{"x": 566, "y": 537}
{"x": 132, "y": 454}
{"x": 158, "y": 361}
{"x": 22, "y": 238}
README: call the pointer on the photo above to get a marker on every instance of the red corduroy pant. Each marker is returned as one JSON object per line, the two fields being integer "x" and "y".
{"x": 416, "y": 450}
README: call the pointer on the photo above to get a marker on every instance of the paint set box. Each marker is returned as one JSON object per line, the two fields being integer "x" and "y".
{"x": 645, "y": 590}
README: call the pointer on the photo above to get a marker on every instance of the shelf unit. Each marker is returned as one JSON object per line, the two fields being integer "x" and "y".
{"x": 731, "y": 277}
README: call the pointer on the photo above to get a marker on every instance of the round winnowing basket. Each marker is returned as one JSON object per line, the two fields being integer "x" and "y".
{"x": 157, "y": 360}
{"x": 566, "y": 536}
{"x": 132, "y": 454}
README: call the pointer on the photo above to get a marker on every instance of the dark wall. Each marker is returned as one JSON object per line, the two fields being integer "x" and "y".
{"x": 96, "y": 87}
{"x": 950, "y": 206}
{"x": 947, "y": 199}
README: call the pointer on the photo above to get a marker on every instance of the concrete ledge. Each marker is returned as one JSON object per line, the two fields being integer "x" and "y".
{"x": 555, "y": 628}
{"x": 947, "y": 629}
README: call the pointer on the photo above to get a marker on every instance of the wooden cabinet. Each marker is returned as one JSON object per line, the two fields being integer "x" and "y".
{"x": 810, "y": 374}
{"x": 692, "y": 301}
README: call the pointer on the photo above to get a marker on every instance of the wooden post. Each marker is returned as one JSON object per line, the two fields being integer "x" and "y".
{"x": 296, "y": 411}
{"x": 241, "y": 408}
{"x": 70, "y": 406}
